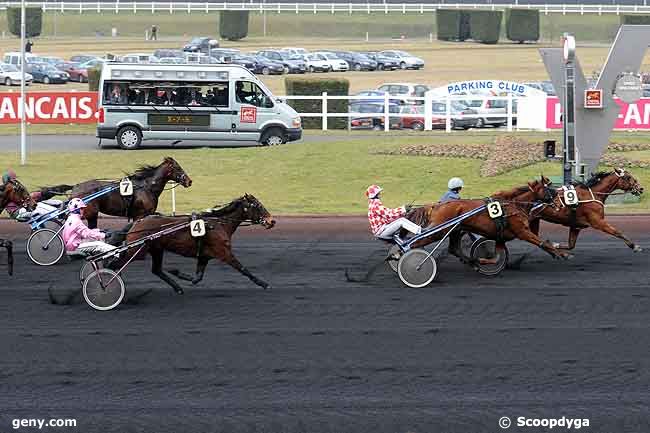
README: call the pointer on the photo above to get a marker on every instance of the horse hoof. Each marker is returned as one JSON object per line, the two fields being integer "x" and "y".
{"x": 556, "y": 245}
{"x": 637, "y": 249}
{"x": 180, "y": 292}
{"x": 568, "y": 257}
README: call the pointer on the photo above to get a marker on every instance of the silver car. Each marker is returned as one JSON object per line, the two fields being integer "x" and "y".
{"x": 404, "y": 59}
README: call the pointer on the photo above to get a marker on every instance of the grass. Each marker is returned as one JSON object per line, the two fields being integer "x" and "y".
{"x": 324, "y": 178}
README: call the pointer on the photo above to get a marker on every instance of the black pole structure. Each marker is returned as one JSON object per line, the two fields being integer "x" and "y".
{"x": 569, "y": 108}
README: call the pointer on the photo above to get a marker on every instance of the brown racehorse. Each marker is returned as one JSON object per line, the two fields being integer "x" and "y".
{"x": 148, "y": 184}
{"x": 15, "y": 192}
{"x": 516, "y": 217}
{"x": 590, "y": 212}
{"x": 220, "y": 224}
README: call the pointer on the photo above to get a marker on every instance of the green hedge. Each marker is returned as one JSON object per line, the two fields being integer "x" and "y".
{"x": 94, "y": 75}
{"x": 233, "y": 25}
{"x": 452, "y": 25}
{"x": 316, "y": 86}
{"x": 33, "y": 21}
{"x": 635, "y": 19}
{"x": 522, "y": 25}
{"x": 485, "y": 26}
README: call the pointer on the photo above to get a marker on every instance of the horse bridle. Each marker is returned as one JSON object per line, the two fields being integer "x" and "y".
{"x": 19, "y": 188}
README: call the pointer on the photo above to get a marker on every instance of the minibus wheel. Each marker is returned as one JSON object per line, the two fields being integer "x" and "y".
{"x": 129, "y": 137}
{"x": 274, "y": 137}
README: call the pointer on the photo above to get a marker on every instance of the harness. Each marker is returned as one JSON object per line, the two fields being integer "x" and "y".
{"x": 565, "y": 191}
{"x": 501, "y": 222}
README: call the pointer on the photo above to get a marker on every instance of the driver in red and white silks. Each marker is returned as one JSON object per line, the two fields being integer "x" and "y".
{"x": 78, "y": 237}
{"x": 386, "y": 222}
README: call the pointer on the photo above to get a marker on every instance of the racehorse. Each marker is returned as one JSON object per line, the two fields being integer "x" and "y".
{"x": 15, "y": 192}
{"x": 514, "y": 224}
{"x": 220, "y": 226}
{"x": 148, "y": 183}
{"x": 590, "y": 211}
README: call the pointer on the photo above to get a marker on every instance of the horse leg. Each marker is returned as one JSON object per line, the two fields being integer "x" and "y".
{"x": 530, "y": 237}
{"x": 534, "y": 226}
{"x": 201, "y": 264}
{"x": 573, "y": 237}
{"x": 157, "y": 270}
{"x": 232, "y": 261}
{"x": 599, "y": 223}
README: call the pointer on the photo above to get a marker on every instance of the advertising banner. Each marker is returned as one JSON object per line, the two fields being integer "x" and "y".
{"x": 49, "y": 107}
{"x": 631, "y": 116}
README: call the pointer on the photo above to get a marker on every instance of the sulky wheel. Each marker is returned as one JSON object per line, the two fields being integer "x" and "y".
{"x": 394, "y": 254}
{"x": 103, "y": 289}
{"x": 88, "y": 269}
{"x": 489, "y": 257}
{"x": 417, "y": 268}
{"x": 45, "y": 247}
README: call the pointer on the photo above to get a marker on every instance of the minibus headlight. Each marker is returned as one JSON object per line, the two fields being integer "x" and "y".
{"x": 296, "y": 122}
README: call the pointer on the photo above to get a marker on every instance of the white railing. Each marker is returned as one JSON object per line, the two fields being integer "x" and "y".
{"x": 386, "y": 118}
{"x": 315, "y": 7}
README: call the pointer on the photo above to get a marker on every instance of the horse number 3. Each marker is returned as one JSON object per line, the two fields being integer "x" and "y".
{"x": 197, "y": 228}
{"x": 494, "y": 209}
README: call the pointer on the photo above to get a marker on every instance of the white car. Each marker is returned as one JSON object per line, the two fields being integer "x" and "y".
{"x": 405, "y": 60}
{"x": 335, "y": 62}
{"x": 10, "y": 75}
{"x": 294, "y": 50}
{"x": 405, "y": 91}
{"x": 317, "y": 63}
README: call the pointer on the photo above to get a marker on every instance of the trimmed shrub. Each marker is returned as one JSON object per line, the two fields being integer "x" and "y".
{"x": 485, "y": 26}
{"x": 33, "y": 21}
{"x": 94, "y": 74}
{"x": 522, "y": 25}
{"x": 315, "y": 87}
{"x": 452, "y": 25}
{"x": 635, "y": 19}
{"x": 233, "y": 25}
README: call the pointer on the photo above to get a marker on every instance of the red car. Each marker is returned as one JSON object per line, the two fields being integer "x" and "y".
{"x": 76, "y": 73}
{"x": 416, "y": 121}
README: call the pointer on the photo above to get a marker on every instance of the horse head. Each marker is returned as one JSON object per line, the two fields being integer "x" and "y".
{"x": 174, "y": 171}
{"x": 255, "y": 211}
{"x": 543, "y": 192}
{"x": 15, "y": 192}
{"x": 627, "y": 182}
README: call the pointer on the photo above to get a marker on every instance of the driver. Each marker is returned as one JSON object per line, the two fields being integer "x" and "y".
{"x": 22, "y": 214}
{"x": 78, "y": 237}
{"x": 455, "y": 186}
{"x": 243, "y": 95}
{"x": 385, "y": 223}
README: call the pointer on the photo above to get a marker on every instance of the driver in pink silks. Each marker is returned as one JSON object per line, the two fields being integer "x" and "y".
{"x": 385, "y": 223}
{"x": 78, "y": 237}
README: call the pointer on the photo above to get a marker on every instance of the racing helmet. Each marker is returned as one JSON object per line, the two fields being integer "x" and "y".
{"x": 76, "y": 204}
{"x": 455, "y": 182}
{"x": 8, "y": 175}
{"x": 373, "y": 191}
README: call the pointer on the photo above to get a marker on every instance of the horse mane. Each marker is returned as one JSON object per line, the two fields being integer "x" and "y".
{"x": 594, "y": 180}
{"x": 223, "y": 210}
{"x": 419, "y": 216}
{"x": 144, "y": 171}
{"x": 511, "y": 193}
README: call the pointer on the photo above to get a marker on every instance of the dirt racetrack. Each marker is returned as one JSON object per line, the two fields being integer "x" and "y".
{"x": 318, "y": 354}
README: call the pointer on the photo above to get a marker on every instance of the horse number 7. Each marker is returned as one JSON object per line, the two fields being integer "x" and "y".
{"x": 126, "y": 187}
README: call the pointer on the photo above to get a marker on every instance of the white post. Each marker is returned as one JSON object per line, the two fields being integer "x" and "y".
{"x": 386, "y": 112}
{"x": 367, "y": 37}
{"x": 430, "y": 38}
{"x": 509, "y": 111}
{"x": 23, "y": 138}
{"x": 324, "y": 110}
{"x": 173, "y": 199}
{"x": 448, "y": 113}
{"x": 428, "y": 112}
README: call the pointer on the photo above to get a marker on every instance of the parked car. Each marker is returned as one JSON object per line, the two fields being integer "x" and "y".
{"x": 375, "y": 115}
{"x": 162, "y": 53}
{"x": 13, "y": 58}
{"x": 547, "y": 86}
{"x": 201, "y": 45}
{"x": 224, "y": 55}
{"x": 138, "y": 58}
{"x": 405, "y": 91}
{"x": 457, "y": 111}
{"x": 10, "y": 75}
{"x": 373, "y": 96}
{"x": 83, "y": 58}
{"x": 294, "y": 50}
{"x": 337, "y": 64}
{"x": 405, "y": 60}
{"x": 383, "y": 62}
{"x": 49, "y": 59}
{"x": 47, "y": 74}
{"x": 265, "y": 66}
{"x": 317, "y": 62}
{"x": 293, "y": 64}
{"x": 172, "y": 60}
{"x": 357, "y": 61}
{"x": 245, "y": 61}
{"x": 79, "y": 72}
{"x": 493, "y": 107}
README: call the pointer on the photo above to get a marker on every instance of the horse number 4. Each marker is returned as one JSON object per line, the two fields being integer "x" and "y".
{"x": 571, "y": 197}
{"x": 197, "y": 228}
{"x": 494, "y": 209}
{"x": 126, "y": 187}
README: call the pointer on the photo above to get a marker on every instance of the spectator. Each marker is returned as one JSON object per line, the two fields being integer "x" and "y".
{"x": 117, "y": 96}
{"x": 154, "y": 32}
{"x": 28, "y": 46}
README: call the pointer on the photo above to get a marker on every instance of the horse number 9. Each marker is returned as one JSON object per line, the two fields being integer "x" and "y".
{"x": 197, "y": 228}
{"x": 494, "y": 209}
{"x": 571, "y": 197}
{"x": 126, "y": 187}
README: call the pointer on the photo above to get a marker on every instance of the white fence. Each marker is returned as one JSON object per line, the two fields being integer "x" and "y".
{"x": 388, "y": 118}
{"x": 316, "y": 7}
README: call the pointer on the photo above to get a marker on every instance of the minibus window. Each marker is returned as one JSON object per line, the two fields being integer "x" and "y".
{"x": 247, "y": 92}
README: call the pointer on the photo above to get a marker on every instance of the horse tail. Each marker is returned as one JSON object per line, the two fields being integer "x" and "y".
{"x": 48, "y": 192}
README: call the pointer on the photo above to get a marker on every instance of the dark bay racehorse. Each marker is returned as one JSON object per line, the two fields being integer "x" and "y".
{"x": 515, "y": 221}
{"x": 13, "y": 192}
{"x": 148, "y": 184}
{"x": 590, "y": 212}
{"x": 221, "y": 225}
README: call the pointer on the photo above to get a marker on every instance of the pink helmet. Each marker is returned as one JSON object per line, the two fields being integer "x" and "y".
{"x": 76, "y": 204}
{"x": 373, "y": 191}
